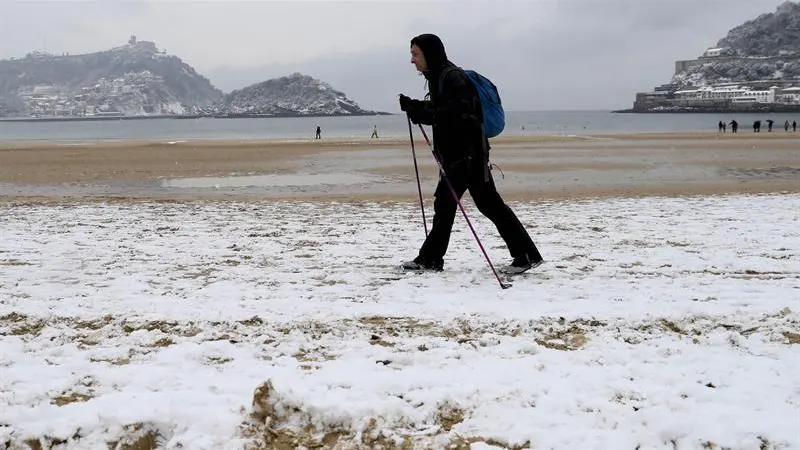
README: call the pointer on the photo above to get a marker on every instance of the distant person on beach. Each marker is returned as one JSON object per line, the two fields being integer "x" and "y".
{"x": 319, "y": 133}
{"x": 459, "y": 143}
{"x": 719, "y": 126}
{"x": 769, "y": 125}
{"x": 794, "y": 125}
{"x": 724, "y": 127}
{"x": 734, "y": 126}
{"x": 757, "y": 126}
{"x": 374, "y": 132}
{"x": 786, "y": 126}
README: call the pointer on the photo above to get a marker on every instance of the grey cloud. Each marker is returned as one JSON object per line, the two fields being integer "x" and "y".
{"x": 546, "y": 54}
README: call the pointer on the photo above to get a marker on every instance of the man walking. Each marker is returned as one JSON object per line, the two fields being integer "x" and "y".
{"x": 460, "y": 144}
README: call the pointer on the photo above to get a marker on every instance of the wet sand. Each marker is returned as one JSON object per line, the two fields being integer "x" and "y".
{"x": 533, "y": 168}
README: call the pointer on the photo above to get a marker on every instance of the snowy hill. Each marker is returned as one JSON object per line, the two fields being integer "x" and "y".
{"x": 293, "y": 95}
{"x": 763, "y": 49}
{"x": 130, "y": 80}
{"x": 756, "y": 67}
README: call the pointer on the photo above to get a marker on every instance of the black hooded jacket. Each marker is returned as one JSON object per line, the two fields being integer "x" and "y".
{"x": 454, "y": 108}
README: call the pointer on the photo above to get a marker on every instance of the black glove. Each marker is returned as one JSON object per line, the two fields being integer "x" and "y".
{"x": 406, "y": 104}
{"x": 414, "y": 115}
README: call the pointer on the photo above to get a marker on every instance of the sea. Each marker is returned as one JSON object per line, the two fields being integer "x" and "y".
{"x": 394, "y": 126}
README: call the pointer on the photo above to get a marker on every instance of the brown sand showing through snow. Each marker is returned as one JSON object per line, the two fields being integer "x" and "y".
{"x": 534, "y": 167}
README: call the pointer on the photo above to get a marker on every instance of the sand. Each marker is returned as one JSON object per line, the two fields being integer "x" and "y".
{"x": 533, "y": 168}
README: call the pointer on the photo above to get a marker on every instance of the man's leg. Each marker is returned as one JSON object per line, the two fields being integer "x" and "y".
{"x": 444, "y": 214}
{"x": 490, "y": 204}
{"x": 431, "y": 254}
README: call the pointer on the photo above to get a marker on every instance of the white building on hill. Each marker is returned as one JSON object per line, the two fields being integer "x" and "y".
{"x": 735, "y": 94}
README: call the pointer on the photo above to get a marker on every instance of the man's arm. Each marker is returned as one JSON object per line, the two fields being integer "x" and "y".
{"x": 456, "y": 101}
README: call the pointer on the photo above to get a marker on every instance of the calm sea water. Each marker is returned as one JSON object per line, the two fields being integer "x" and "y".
{"x": 517, "y": 123}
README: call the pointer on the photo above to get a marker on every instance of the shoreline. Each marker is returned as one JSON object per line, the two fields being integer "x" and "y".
{"x": 184, "y": 116}
{"x": 531, "y": 168}
{"x": 529, "y": 137}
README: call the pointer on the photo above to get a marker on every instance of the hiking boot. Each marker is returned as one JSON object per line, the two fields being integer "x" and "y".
{"x": 521, "y": 264}
{"x": 421, "y": 263}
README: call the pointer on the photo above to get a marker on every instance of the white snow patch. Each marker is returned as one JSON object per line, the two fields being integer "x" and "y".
{"x": 655, "y": 323}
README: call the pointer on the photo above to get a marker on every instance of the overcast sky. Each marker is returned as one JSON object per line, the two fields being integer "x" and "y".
{"x": 542, "y": 54}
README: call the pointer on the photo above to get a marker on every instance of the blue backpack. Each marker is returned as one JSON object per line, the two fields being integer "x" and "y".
{"x": 494, "y": 119}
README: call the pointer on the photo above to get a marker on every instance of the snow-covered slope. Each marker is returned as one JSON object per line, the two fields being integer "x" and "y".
{"x": 293, "y": 95}
{"x": 656, "y": 323}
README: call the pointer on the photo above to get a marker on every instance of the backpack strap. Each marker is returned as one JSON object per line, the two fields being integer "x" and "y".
{"x": 442, "y": 75}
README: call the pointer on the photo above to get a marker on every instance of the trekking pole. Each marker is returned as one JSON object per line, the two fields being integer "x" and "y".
{"x": 464, "y": 213}
{"x": 416, "y": 171}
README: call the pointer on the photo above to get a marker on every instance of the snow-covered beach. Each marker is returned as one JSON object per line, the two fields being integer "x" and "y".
{"x": 657, "y": 322}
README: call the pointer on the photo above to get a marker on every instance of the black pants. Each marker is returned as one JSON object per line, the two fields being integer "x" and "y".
{"x": 481, "y": 187}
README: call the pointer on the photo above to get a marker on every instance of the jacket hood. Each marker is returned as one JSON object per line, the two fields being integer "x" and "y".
{"x": 433, "y": 49}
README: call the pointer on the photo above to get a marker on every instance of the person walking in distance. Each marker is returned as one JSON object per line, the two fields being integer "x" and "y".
{"x": 319, "y": 133}
{"x": 460, "y": 144}
{"x": 374, "y": 132}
